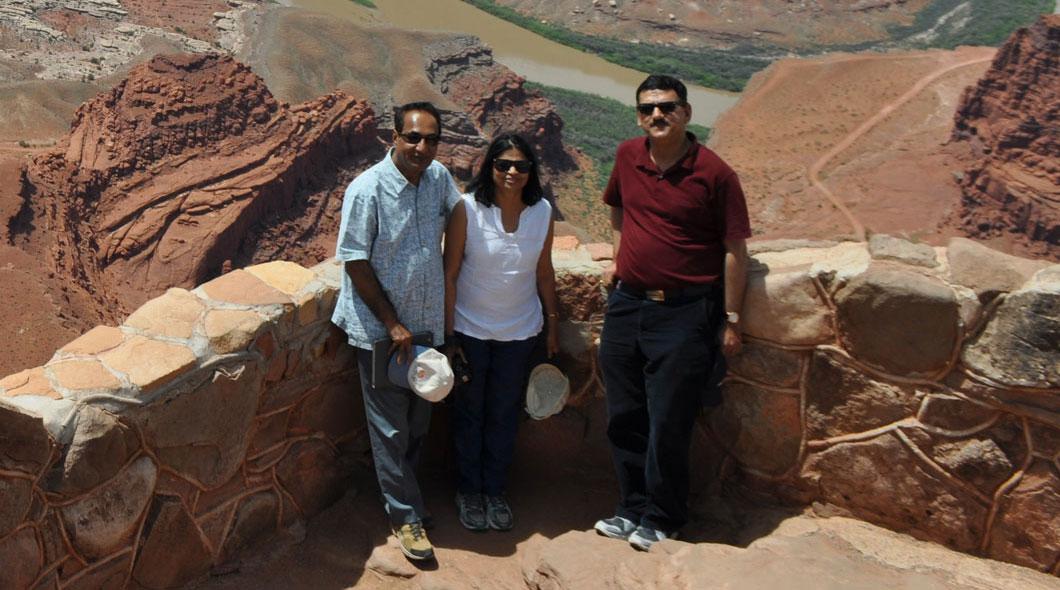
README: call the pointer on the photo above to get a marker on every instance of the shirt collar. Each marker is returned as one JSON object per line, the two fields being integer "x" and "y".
{"x": 391, "y": 177}
{"x": 644, "y": 155}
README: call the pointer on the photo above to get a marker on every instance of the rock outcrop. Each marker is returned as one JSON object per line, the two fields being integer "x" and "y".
{"x": 187, "y": 168}
{"x": 1011, "y": 122}
{"x": 495, "y": 100}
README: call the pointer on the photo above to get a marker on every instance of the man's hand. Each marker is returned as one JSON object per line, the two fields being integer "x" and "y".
{"x": 552, "y": 342}
{"x": 731, "y": 340}
{"x": 401, "y": 341}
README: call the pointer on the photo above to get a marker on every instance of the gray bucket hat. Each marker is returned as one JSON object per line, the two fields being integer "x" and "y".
{"x": 547, "y": 391}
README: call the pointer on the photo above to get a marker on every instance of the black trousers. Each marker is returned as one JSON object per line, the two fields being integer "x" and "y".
{"x": 656, "y": 358}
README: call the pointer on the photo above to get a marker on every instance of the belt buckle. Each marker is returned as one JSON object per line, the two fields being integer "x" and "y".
{"x": 655, "y": 295}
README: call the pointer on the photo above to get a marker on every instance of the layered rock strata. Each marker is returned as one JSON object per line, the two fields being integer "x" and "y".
{"x": 916, "y": 392}
{"x": 1011, "y": 122}
{"x": 184, "y": 170}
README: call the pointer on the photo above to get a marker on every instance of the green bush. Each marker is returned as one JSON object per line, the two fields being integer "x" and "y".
{"x": 367, "y": 3}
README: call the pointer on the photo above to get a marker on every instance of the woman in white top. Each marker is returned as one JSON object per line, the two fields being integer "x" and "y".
{"x": 499, "y": 290}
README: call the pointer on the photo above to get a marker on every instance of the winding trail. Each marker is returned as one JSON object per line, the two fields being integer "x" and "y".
{"x": 814, "y": 171}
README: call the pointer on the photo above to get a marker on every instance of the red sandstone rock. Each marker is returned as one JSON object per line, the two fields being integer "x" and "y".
{"x": 182, "y": 168}
{"x": 1011, "y": 121}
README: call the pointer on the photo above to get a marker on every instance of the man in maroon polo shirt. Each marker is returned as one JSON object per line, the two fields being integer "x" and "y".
{"x": 680, "y": 225}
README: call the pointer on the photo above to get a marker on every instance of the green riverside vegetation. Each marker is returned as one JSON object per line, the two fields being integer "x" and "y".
{"x": 367, "y": 3}
{"x": 727, "y": 70}
{"x": 596, "y": 125}
{"x": 968, "y": 22}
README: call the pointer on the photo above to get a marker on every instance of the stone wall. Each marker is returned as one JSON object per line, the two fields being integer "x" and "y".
{"x": 145, "y": 455}
{"x": 914, "y": 387}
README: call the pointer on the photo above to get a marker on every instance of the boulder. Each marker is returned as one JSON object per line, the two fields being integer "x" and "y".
{"x": 1028, "y": 519}
{"x": 898, "y": 320}
{"x": 17, "y": 494}
{"x": 311, "y": 474}
{"x": 884, "y": 247}
{"x": 1020, "y": 346}
{"x": 106, "y": 519}
{"x": 988, "y": 272}
{"x": 881, "y": 481}
{"x": 21, "y": 559}
{"x": 950, "y": 412}
{"x": 111, "y": 574}
{"x": 203, "y": 433}
{"x": 783, "y": 306}
{"x": 768, "y": 364}
{"x": 332, "y": 409}
{"x": 841, "y": 400}
{"x": 101, "y": 446}
{"x": 172, "y": 552}
{"x": 254, "y": 519}
{"x": 26, "y": 445}
{"x": 762, "y": 429}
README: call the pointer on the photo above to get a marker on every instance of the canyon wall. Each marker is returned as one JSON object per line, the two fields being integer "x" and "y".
{"x": 910, "y": 386}
{"x": 1010, "y": 121}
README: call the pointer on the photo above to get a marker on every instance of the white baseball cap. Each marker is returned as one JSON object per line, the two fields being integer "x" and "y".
{"x": 427, "y": 373}
{"x": 546, "y": 391}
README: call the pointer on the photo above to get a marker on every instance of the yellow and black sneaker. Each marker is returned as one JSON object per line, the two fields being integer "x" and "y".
{"x": 413, "y": 541}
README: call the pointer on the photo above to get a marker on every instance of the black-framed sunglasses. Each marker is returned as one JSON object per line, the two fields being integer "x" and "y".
{"x": 647, "y": 108}
{"x": 521, "y": 166}
{"x": 415, "y": 138}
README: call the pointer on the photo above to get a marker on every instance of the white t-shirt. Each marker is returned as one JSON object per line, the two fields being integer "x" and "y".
{"x": 496, "y": 292}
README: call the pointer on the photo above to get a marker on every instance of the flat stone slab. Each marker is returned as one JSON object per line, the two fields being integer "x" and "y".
{"x": 230, "y": 330}
{"x": 106, "y": 520}
{"x": 286, "y": 277}
{"x": 242, "y": 288}
{"x": 81, "y": 375}
{"x": 28, "y": 382}
{"x": 173, "y": 315}
{"x": 149, "y": 363}
{"x": 94, "y": 341}
{"x": 884, "y": 247}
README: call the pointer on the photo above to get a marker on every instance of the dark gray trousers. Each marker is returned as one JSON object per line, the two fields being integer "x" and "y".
{"x": 398, "y": 420}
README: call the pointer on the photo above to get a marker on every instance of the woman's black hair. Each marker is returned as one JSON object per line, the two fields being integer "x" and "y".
{"x": 482, "y": 184}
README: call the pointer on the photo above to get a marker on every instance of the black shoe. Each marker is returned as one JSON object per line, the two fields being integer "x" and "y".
{"x": 498, "y": 513}
{"x": 644, "y": 537}
{"x": 472, "y": 511}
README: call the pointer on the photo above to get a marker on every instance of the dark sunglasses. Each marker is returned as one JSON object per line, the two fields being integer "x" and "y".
{"x": 415, "y": 138}
{"x": 521, "y": 166}
{"x": 647, "y": 108}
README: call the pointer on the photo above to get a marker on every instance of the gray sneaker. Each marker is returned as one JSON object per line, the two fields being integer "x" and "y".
{"x": 498, "y": 513}
{"x": 644, "y": 537}
{"x": 615, "y": 527}
{"x": 472, "y": 511}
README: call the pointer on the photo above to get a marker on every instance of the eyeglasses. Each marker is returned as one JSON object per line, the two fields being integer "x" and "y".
{"x": 415, "y": 138}
{"x": 521, "y": 166}
{"x": 647, "y": 108}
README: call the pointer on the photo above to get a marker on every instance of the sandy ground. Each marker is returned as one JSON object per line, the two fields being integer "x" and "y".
{"x": 852, "y": 144}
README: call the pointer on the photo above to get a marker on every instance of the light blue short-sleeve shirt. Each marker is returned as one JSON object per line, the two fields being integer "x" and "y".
{"x": 397, "y": 227}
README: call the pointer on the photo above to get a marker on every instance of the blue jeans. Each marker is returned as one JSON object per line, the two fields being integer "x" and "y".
{"x": 398, "y": 420}
{"x": 486, "y": 412}
{"x": 656, "y": 359}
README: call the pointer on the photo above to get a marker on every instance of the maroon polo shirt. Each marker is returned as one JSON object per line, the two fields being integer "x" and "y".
{"x": 674, "y": 222}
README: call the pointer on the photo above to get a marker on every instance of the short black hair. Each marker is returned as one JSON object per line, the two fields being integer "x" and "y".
{"x": 482, "y": 184}
{"x": 399, "y": 114}
{"x": 663, "y": 82}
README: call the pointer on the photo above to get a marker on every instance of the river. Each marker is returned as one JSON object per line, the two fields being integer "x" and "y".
{"x": 531, "y": 56}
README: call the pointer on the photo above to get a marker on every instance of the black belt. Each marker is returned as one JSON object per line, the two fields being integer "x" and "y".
{"x": 669, "y": 294}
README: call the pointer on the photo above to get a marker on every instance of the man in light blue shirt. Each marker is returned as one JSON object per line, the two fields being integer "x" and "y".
{"x": 393, "y": 216}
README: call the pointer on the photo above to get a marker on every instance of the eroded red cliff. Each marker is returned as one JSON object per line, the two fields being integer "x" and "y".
{"x": 188, "y": 167}
{"x": 1011, "y": 122}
